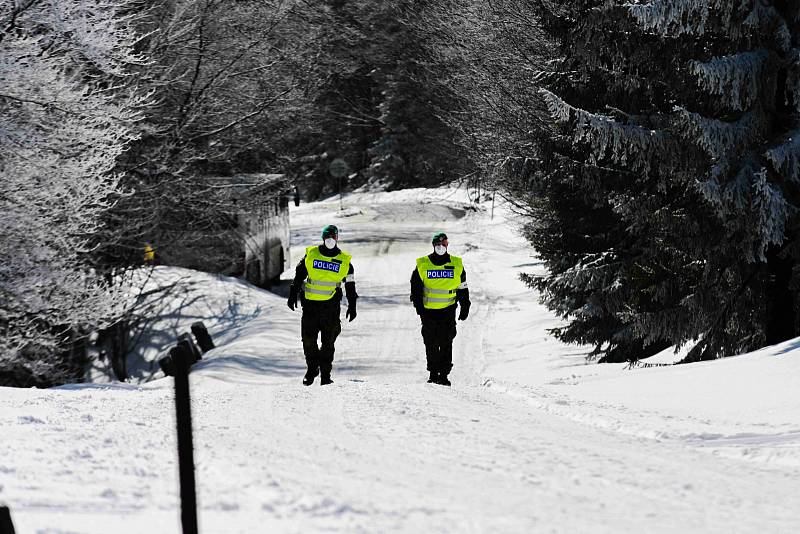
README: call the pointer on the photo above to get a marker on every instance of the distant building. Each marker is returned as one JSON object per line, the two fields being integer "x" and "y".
{"x": 246, "y": 235}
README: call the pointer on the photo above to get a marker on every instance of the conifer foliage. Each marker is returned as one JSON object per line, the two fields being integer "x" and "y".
{"x": 666, "y": 183}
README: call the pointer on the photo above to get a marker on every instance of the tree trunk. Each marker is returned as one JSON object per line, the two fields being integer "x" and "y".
{"x": 780, "y": 307}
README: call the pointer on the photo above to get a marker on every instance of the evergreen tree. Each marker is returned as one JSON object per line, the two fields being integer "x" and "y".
{"x": 668, "y": 184}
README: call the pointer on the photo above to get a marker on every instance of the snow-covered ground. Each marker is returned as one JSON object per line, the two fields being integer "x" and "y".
{"x": 530, "y": 438}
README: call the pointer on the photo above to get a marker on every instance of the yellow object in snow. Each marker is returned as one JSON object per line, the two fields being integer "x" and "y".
{"x": 149, "y": 253}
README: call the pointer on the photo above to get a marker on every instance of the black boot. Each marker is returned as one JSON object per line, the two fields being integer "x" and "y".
{"x": 434, "y": 378}
{"x": 443, "y": 381}
{"x": 325, "y": 380}
{"x": 308, "y": 379}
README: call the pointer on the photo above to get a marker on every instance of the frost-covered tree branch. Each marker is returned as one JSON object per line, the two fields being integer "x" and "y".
{"x": 67, "y": 112}
{"x": 220, "y": 74}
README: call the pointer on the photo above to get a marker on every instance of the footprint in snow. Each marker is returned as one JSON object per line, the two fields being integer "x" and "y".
{"x": 30, "y": 420}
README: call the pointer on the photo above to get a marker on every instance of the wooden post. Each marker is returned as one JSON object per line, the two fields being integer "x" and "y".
{"x": 167, "y": 365}
{"x": 191, "y": 345}
{"x": 6, "y": 525}
{"x": 202, "y": 336}
{"x": 182, "y": 359}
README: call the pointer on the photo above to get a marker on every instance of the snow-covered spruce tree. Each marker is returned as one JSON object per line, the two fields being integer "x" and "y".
{"x": 65, "y": 117}
{"x": 669, "y": 190}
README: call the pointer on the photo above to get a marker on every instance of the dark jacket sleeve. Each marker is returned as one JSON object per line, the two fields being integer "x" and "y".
{"x": 300, "y": 273}
{"x": 462, "y": 295}
{"x": 350, "y": 288}
{"x": 416, "y": 290}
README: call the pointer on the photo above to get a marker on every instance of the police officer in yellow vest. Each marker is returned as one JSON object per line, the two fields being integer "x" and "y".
{"x": 318, "y": 281}
{"x": 438, "y": 285}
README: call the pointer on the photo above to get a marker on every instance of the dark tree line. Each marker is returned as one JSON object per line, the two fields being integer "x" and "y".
{"x": 376, "y": 101}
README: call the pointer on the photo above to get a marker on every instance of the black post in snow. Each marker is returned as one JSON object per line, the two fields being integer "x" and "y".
{"x": 6, "y": 526}
{"x": 202, "y": 336}
{"x": 182, "y": 360}
{"x": 186, "y": 338}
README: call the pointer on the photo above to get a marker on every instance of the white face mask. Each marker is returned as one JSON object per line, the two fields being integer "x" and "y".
{"x": 330, "y": 242}
{"x": 440, "y": 250}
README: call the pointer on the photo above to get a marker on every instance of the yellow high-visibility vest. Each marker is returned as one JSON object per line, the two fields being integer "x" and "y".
{"x": 439, "y": 282}
{"x": 325, "y": 274}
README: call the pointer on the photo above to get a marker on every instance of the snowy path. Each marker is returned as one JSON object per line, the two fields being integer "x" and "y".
{"x": 380, "y": 450}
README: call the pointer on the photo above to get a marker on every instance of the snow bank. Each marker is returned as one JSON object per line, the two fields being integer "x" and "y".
{"x": 174, "y": 299}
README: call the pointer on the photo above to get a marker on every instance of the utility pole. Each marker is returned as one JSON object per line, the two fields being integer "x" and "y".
{"x": 338, "y": 168}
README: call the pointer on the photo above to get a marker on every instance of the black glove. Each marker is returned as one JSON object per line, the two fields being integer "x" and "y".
{"x": 464, "y": 313}
{"x": 292, "y": 302}
{"x": 351, "y": 312}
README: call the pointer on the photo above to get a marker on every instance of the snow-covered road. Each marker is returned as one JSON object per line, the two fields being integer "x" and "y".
{"x": 528, "y": 439}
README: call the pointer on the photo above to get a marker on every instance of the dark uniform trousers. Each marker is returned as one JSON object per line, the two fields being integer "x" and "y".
{"x": 320, "y": 318}
{"x": 438, "y": 333}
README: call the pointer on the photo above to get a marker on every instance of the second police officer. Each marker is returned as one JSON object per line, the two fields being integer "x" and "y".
{"x": 438, "y": 285}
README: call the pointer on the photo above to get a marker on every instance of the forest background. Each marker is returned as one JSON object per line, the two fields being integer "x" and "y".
{"x": 651, "y": 147}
